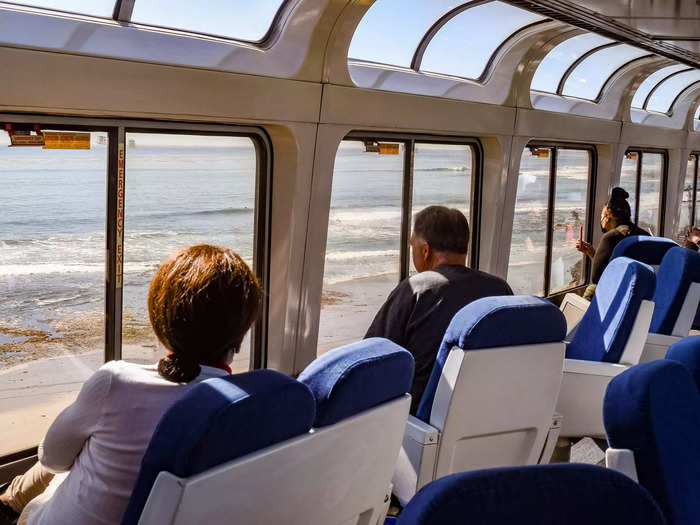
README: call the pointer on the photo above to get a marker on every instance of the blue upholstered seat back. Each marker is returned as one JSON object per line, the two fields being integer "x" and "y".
{"x": 220, "y": 420}
{"x": 605, "y": 327}
{"x": 353, "y": 378}
{"x": 555, "y": 494}
{"x": 654, "y": 410}
{"x": 642, "y": 248}
{"x": 679, "y": 269}
{"x": 493, "y": 322}
{"x": 687, "y": 352}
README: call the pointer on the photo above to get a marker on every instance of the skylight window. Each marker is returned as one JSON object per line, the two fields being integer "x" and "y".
{"x": 391, "y": 30}
{"x": 663, "y": 97}
{"x": 652, "y": 80}
{"x": 249, "y": 21}
{"x": 465, "y": 44}
{"x": 101, "y": 8}
{"x": 559, "y": 59}
{"x": 697, "y": 113}
{"x": 588, "y": 77}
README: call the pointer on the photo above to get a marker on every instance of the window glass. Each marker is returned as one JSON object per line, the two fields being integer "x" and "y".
{"x": 559, "y": 59}
{"x": 570, "y": 204}
{"x": 697, "y": 113}
{"x": 181, "y": 190}
{"x": 529, "y": 238}
{"x": 240, "y": 20}
{"x": 588, "y": 78}
{"x": 102, "y": 8}
{"x": 645, "y": 87}
{"x": 465, "y": 44}
{"x": 650, "y": 192}
{"x": 628, "y": 178}
{"x": 391, "y": 30}
{"x": 442, "y": 176}
{"x": 52, "y": 282}
{"x": 667, "y": 92}
{"x": 687, "y": 198}
{"x": 363, "y": 244}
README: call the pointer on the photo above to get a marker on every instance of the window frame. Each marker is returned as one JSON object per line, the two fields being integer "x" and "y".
{"x": 116, "y": 130}
{"x": 638, "y": 181}
{"x": 475, "y": 198}
{"x": 554, "y": 147}
{"x": 693, "y": 216}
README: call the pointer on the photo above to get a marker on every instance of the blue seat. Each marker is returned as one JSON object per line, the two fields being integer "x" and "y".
{"x": 610, "y": 337}
{"x": 554, "y": 494}
{"x": 490, "y": 398}
{"x": 606, "y": 326}
{"x": 649, "y": 250}
{"x": 677, "y": 292}
{"x": 356, "y": 377}
{"x": 220, "y": 420}
{"x": 687, "y": 352}
{"x": 653, "y": 409}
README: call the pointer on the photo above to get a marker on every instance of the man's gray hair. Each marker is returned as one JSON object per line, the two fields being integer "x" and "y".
{"x": 444, "y": 229}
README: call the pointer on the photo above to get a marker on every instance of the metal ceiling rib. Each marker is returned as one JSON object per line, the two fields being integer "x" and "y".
{"x": 569, "y": 12}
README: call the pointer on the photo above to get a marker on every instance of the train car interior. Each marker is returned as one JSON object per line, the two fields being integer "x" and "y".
{"x": 293, "y": 191}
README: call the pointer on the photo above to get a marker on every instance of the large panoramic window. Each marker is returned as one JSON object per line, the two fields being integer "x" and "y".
{"x": 52, "y": 281}
{"x": 643, "y": 176}
{"x": 665, "y": 94}
{"x": 552, "y": 68}
{"x": 587, "y": 79}
{"x": 370, "y": 220}
{"x": 688, "y": 197}
{"x": 646, "y": 87}
{"x": 181, "y": 190}
{"x": 543, "y": 257}
{"x": 465, "y": 44}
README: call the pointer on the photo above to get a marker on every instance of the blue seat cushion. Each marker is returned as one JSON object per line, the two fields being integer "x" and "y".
{"x": 679, "y": 269}
{"x": 493, "y": 322}
{"x": 556, "y": 494}
{"x": 653, "y": 409}
{"x": 220, "y": 420}
{"x": 353, "y": 378}
{"x": 687, "y": 352}
{"x": 649, "y": 250}
{"x": 607, "y": 324}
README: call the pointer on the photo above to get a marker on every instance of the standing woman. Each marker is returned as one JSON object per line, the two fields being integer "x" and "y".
{"x": 616, "y": 223}
{"x": 201, "y": 303}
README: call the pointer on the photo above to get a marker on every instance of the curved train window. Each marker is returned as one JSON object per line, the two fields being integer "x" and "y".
{"x": 643, "y": 175}
{"x": 52, "y": 275}
{"x": 68, "y": 304}
{"x": 379, "y": 184}
{"x": 646, "y": 87}
{"x": 667, "y": 91}
{"x": 551, "y": 214}
{"x": 690, "y": 211}
{"x": 181, "y": 190}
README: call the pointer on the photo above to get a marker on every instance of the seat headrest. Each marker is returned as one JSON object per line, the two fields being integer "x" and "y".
{"x": 687, "y": 352}
{"x": 492, "y": 322}
{"x": 353, "y": 378}
{"x": 607, "y": 324}
{"x": 653, "y": 409}
{"x": 534, "y": 495}
{"x": 679, "y": 269}
{"x": 642, "y": 248}
{"x": 220, "y": 420}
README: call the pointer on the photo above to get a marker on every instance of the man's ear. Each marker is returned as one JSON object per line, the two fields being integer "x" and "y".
{"x": 427, "y": 251}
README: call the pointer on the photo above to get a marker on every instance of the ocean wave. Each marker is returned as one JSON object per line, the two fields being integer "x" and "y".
{"x": 350, "y": 256}
{"x": 15, "y": 270}
{"x": 183, "y": 213}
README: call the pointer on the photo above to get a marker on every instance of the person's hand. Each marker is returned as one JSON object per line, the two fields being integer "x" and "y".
{"x": 586, "y": 248}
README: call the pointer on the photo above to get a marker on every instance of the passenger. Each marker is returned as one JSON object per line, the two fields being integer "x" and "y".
{"x": 616, "y": 223}
{"x": 692, "y": 238}
{"x": 418, "y": 311}
{"x": 201, "y": 303}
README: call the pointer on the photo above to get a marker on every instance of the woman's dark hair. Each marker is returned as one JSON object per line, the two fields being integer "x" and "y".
{"x": 201, "y": 303}
{"x": 444, "y": 229}
{"x": 618, "y": 206}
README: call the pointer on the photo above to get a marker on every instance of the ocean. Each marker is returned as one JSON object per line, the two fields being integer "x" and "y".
{"x": 182, "y": 191}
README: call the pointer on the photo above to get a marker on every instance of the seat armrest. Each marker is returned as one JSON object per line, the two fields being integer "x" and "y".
{"x": 622, "y": 460}
{"x": 594, "y": 368}
{"x": 421, "y": 432}
{"x": 662, "y": 340}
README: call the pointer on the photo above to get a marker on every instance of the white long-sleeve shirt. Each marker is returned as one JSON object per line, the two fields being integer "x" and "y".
{"x": 99, "y": 442}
